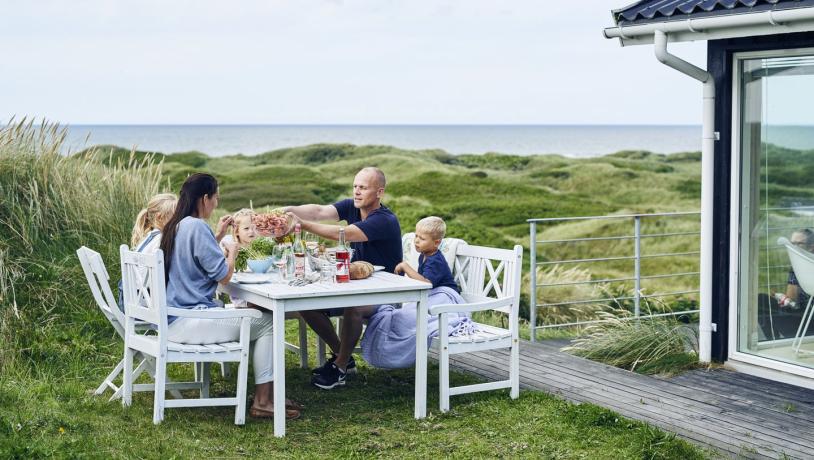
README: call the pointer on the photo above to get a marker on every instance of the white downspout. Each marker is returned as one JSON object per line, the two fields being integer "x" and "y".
{"x": 707, "y": 181}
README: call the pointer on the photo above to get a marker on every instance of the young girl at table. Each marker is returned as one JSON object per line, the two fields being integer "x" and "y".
{"x": 146, "y": 236}
{"x": 243, "y": 230}
{"x": 194, "y": 264}
{"x": 243, "y": 233}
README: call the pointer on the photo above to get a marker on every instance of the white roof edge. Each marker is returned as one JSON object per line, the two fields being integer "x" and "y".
{"x": 718, "y": 27}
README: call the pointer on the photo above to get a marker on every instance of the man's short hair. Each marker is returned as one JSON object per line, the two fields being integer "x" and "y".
{"x": 379, "y": 174}
{"x": 434, "y": 226}
{"x": 808, "y": 234}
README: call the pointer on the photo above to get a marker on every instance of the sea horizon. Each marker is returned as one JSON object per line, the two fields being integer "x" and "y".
{"x": 571, "y": 140}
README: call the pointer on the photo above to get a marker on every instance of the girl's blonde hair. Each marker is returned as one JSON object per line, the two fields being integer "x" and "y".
{"x": 434, "y": 226}
{"x": 245, "y": 212}
{"x": 158, "y": 211}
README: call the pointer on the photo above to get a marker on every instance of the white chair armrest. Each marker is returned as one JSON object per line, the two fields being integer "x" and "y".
{"x": 469, "y": 307}
{"x": 215, "y": 313}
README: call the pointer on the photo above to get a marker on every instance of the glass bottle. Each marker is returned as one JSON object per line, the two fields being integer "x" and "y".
{"x": 299, "y": 253}
{"x": 342, "y": 259}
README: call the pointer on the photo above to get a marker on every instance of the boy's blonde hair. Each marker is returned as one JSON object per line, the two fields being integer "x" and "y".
{"x": 245, "y": 212}
{"x": 432, "y": 225}
{"x": 158, "y": 211}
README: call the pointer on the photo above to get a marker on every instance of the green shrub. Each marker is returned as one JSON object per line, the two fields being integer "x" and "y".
{"x": 191, "y": 159}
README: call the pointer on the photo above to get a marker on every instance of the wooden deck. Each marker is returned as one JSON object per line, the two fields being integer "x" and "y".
{"x": 735, "y": 414}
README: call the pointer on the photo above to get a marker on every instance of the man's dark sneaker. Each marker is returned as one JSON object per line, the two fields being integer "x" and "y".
{"x": 330, "y": 378}
{"x": 350, "y": 369}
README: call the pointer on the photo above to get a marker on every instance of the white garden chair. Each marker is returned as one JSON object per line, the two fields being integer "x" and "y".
{"x": 99, "y": 283}
{"x": 145, "y": 300}
{"x": 489, "y": 279}
{"x": 802, "y": 262}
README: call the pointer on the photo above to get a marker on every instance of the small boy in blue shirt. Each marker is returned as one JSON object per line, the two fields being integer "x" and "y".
{"x": 432, "y": 267}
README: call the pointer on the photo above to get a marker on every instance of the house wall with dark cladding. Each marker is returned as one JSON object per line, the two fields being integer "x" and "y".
{"x": 719, "y": 64}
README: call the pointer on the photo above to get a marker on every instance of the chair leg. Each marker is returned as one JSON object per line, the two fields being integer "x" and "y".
{"x": 303, "y": 344}
{"x": 206, "y": 379}
{"x": 803, "y": 327}
{"x": 158, "y": 394}
{"x": 443, "y": 365}
{"x": 242, "y": 373}
{"x": 135, "y": 373}
{"x": 514, "y": 368}
{"x": 320, "y": 352}
{"x": 108, "y": 382}
{"x": 127, "y": 381}
{"x": 225, "y": 370}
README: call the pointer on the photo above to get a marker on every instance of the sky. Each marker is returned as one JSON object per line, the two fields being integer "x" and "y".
{"x": 334, "y": 62}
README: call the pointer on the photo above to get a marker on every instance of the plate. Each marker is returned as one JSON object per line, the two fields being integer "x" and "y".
{"x": 378, "y": 268}
{"x": 252, "y": 278}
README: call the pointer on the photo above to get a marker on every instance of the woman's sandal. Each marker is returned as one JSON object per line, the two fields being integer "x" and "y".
{"x": 290, "y": 414}
{"x": 291, "y": 404}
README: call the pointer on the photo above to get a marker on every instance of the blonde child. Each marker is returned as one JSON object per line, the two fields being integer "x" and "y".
{"x": 243, "y": 233}
{"x": 243, "y": 230}
{"x": 432, "y": 267}
{"x": 146, "y": 236}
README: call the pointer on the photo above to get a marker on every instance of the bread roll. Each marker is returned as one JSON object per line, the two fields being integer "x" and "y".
{"x": 360, "y": 270}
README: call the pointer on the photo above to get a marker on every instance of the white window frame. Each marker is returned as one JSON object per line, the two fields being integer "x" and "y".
{"x": 765, "y": 367}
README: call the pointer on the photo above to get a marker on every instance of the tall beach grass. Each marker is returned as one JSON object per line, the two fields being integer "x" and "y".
{"x": 660, "y": 345}
{"x": 51, "y": 205}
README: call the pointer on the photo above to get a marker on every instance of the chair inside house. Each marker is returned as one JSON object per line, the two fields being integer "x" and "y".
{"x": 489, "y": 279}
{"x": 145, "y": 301}
{"x": 99, "y": 282}
{"x": 802, "y": 262}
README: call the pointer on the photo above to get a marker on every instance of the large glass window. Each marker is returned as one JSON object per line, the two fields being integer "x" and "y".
{"x": 776, "y": 200}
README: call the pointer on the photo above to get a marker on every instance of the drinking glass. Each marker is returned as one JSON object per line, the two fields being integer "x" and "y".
{"x": 280, "y": 257}
{"x": 327, "y": 271}
{"x": 311, "y": 242}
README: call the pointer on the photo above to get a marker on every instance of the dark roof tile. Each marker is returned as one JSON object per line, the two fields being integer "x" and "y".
{"x": 666, "y": 10}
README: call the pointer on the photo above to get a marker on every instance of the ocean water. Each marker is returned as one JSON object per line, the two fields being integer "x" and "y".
{"x": 569, "y": 140}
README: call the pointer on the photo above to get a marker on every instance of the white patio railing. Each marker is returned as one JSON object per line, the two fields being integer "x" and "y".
{"x": 541, "y": 246}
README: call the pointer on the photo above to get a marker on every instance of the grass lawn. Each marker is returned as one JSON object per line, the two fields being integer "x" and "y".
{"x": 372, "y": 415}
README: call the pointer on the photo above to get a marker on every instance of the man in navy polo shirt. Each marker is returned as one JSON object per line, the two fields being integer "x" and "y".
{"x": 375, "y": 236}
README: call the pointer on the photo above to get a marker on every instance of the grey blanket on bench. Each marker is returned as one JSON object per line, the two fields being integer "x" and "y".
{"x": 389, "y": 340}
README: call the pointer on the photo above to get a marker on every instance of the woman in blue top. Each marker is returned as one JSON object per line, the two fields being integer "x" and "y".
{"x": 194, "y": 264}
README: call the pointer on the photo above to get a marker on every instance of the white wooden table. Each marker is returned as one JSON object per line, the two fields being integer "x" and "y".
{"x": 380, "y": 288}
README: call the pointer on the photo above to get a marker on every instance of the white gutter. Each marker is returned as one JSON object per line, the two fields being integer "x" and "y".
{"x": 709, "y": 135}
{"x": 717, "y": 27}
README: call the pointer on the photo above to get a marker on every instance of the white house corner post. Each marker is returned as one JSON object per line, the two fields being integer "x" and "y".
{"x": 421, "y": 356}
{"x": 660, "y": 40}
{"x": 279, "y": 368}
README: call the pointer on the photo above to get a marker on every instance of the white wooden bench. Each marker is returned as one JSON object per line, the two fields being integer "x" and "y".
{"x": 489, "y": 279}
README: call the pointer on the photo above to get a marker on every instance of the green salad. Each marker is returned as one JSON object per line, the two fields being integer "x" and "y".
{"x": 260, "y": 248}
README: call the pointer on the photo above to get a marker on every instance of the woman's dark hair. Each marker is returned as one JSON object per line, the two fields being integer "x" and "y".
{"x": 194, "y": 188}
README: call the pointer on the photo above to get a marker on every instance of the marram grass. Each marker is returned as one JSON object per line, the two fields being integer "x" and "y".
{"x": 52, "y": 204}
{"x": 650, "y": 346}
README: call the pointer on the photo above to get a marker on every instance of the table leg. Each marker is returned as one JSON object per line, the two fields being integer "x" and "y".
{"x": 279, "y": 368}
{"x": 421, "y": 357}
